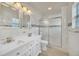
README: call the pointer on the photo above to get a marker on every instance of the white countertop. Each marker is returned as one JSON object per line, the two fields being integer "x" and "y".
{"x": 74, "y": 30}
{"x": 14, "y": 45}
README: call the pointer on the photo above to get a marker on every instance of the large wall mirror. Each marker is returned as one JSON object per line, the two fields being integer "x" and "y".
{"x": 11, "y": 15}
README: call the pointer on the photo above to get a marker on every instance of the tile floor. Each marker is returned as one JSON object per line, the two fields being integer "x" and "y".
{"x": 53, "y": 52}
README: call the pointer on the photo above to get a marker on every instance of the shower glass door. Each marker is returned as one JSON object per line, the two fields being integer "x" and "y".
{"x": 52, "y": 32}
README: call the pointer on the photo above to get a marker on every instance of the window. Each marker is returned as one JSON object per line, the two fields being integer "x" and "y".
{"x": 75, "y": 15}
{"x": 15, "y": 22}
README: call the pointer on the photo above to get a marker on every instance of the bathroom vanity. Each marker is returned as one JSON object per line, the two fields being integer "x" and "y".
{"x": 22, "y": 46}
{"x": 15, "y": 33}
{"x": 16, "y": 42}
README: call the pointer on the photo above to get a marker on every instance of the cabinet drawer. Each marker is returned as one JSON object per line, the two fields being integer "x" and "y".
{"x": 27, "y": 53}
{"x": 17, "y": 52}
{"x": 29, "y": 49}
{"x": 35, "y": 50}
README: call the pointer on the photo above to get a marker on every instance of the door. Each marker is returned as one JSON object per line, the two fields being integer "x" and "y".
{"x": 55, "y": 37}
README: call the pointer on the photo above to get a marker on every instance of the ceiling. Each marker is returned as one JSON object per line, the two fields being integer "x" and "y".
{"x": 42, "y": 7}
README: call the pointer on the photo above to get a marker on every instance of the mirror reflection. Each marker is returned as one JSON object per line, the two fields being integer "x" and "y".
{"x": 14, "y": 15}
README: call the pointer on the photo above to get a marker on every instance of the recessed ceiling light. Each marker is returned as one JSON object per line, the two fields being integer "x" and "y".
{"x": 49, "y": 8}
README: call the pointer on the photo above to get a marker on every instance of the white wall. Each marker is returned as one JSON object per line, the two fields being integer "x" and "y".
{"x": 73, "y": 36}
{"x": 74, "y": 42}
{"x": 66, "y": 18}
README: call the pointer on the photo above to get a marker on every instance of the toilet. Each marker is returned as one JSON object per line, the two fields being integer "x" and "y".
{"x": 44, "y": 44}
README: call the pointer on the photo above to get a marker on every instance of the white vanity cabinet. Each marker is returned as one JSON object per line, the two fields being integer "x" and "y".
{"x": 30, "y": 48}
{"x": 36, "y": 49}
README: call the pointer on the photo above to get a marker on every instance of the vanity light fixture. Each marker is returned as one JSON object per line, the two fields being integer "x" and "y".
{"x": 49, "y": 8}
{"x": 29, "y": 12}
{"x": 17, "y": 5}
{"x": 24, "y": 9}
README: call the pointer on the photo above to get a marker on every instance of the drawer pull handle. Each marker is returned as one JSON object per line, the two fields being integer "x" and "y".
{"x": 18, "y": 53}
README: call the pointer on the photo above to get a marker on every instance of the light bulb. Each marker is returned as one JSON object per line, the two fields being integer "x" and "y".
{"x": 29, "y": 12}
{"x": 50, "y": 8}
{"x": 24, "y": 9}
{"x": 17, "y": 5}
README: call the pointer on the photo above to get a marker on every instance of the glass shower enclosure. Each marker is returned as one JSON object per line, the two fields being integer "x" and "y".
{"x": 51, "y": 31}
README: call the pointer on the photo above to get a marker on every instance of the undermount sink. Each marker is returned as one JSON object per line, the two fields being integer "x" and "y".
{"x": 20, "y": 41}
{"x": 6, "y": 40}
